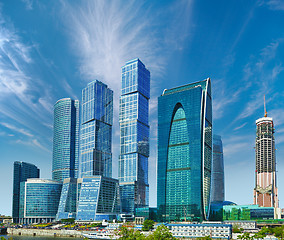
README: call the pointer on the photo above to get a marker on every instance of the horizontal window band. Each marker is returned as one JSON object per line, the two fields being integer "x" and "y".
{"x": 181, "y": 119}
{"x": 178, "y": 169}
{"x": 179, "y": 144}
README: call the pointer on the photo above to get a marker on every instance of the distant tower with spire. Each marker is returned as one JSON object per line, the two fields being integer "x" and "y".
{"x": 265, "y": 191}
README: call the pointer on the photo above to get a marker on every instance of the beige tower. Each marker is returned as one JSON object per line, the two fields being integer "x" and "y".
{"x": 265, "y": 192}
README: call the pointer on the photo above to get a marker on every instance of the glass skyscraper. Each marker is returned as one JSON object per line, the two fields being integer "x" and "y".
{"x": 39, "y": 200}
{"x": 22, "y": 171}
{"x": 217, "y": 189}
{"x": 184, "y": 152}
{"x": 65, "y": 139}
{"x": 96, "y": 130}
{"x": 134, "y": 136}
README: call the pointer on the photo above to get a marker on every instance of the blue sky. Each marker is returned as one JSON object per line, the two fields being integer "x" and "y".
{"x": 52, "y": 49}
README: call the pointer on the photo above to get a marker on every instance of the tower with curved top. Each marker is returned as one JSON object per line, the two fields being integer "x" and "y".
{"x": 184, "y": 152}
{"x": 265, "y": 191}
{"x": 65, "y": 157}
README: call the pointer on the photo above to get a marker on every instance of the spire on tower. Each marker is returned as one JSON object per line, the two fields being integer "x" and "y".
{"x": 265, "y": 113}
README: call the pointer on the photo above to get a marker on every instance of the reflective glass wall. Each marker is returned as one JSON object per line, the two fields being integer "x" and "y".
{"x": 39, "y": 199}
{"x": 134, "y": 136}
{"x": 96, "y": 130}
{"x": 65, "y": 139}
{"x": 217, "y": 190}
{"x": 184, "y": 152}
{"x": 22, "y": 171}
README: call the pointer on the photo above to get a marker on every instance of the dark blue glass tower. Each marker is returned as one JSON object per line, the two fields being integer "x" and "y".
{"x": 65, "y": 139}
{"x": 96, "y": 130}
{"x": 184, "y": 152}
{"x": 134, "y": 136}
{"x": 217, "y": 190}
{"x": 22, "y": 171}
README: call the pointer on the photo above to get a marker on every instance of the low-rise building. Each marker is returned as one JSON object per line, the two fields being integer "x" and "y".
{"x": 99, "y": 199}
{"x": 39, "y": 200}
{"x": 220, "y": 231}
{"x": 249, "y": 212}
{"x": 246, "y": 225}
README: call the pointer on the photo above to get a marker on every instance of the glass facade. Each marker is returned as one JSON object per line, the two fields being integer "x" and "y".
{"x": 69, "y": 198}
{"x": 39, "y": 200}
{"x": 96, "y": 130}
{"x": 99, "y": 199}
{"x": 247, "y": 212}
{"x": 22, "y": 171}
{"x": 184, "y": 152}
{"x": 134, "y": 136}
{"x": 65, "y": 139}
{"x": 217, "y": 190}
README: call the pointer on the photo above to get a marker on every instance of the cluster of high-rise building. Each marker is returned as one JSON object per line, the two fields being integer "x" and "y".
{"x": 190, "y": 167}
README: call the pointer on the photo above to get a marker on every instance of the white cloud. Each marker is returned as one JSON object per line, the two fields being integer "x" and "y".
{"x": 23, "y": 96}
{"x": 239, "y": 127}
{"x": 29, "y": 4}
{"x": 16, "y": 129}
{"x": 106, "y": 34}
{"x": 273, "y": 4}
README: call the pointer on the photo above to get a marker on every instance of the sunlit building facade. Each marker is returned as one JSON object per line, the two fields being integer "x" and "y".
{"x": 98, "y": 199}
{"x": 96, "y": 130}
{"x": 265, "y": 191}
{"x": 184, "y": 152}
{"x": 65, "y": 158}
{"x": 22, "y": 171}
{"x": 134, "y": 136}
{"x": 39, "y": 199}
{"x": 217, "y": 188}
{"x": 69, "y": 198}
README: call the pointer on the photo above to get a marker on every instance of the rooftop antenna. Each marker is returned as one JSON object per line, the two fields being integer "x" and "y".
{"x": 265, "y": 113}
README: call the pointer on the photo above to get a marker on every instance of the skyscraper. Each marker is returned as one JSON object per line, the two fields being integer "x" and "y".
{"x": 184, "y": 152}
{"x": 217, "y": 188}
{"x": 96, "y": 130}
{"x": 134, "y": 136}
{"x": 265, "y": 191}
{"x": 22, "y": 171}
{"x": 65, "y": 139}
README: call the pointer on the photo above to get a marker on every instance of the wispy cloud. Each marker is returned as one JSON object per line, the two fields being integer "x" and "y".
{"x": 106, "y": 34}
{"x": 23, "y": 95}
{"x": 263, "y": 72}
{"x": 29, "y": 4}
{"x": 238, "y": 144}
{"x": 273, "y": 4}
{"x": 15, "y": 129}
{"x": 239, "y": 127}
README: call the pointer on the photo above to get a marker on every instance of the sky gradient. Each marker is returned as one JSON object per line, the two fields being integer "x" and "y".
{"x": 53, "y": 49}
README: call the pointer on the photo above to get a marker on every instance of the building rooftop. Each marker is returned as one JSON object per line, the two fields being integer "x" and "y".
{"x": 201, "y": 84}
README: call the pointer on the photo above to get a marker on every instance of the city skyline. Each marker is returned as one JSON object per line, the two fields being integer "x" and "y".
{"x": 243, "y": 62}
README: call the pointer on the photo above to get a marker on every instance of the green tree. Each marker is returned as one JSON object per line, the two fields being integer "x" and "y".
{"x": 130, "y": 234}
{"x": 245, "y": 236}
{"x": 161, "y": 233}
{"x": 148, "y": 225}
{"x": 236, "y": 229}
{"x": 205, "y": 238}
{"x": 279, "y": 232}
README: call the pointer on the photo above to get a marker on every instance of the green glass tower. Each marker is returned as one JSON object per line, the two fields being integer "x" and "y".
{"x": 184, "y": 152}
